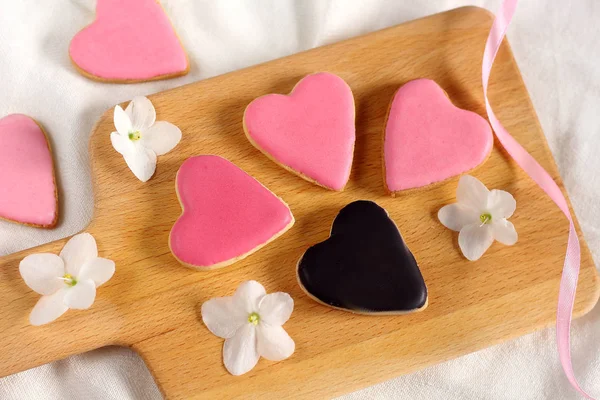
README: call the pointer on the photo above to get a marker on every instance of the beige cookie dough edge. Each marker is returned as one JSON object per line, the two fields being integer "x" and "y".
{"x": 89, "y": 75}
{"x": 55, "y": 220}
{"x": 356, "y": 311}
{"x": 240, "y": 257}
{"x": 433, "y": 184}
{"x": 287, "y": 168}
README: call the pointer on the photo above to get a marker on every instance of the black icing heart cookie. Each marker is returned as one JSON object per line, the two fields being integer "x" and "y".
{"x": 364, "y": 267}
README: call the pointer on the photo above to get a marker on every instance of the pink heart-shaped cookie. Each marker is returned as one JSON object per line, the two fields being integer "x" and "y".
{"x": 227, "y": 214}
{"x": 310, "y": 131}
{"x": 27, "y": 186}
{"x": 428, "y": 139}
{"x": 130, "y": 41}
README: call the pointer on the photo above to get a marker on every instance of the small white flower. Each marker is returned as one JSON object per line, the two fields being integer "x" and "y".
{"x": 140, "y": 139}
{"x": 480, "y": 215}
{"x": 251, "y": 323}
{"x": 66, "y": 281}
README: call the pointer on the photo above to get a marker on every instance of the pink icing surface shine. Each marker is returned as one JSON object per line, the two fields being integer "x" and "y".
{"x": 227, "y": 213}
{"x": 27, "y": 189}
{"x": 428, "y": 139}
{"x": 129, "y": 40}
{"x": 311, "y": 130}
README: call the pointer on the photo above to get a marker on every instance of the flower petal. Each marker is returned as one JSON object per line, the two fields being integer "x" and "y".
{"x": 248, "y": 295}
{"x": 239, "y": 352}
{"x": 275, "y": 308}
{"x": 48, "y": 308}
{"x": 78, "y": 250}
{"x": 474, "y": 240}
{"x": 456, "y": 216}
{"x": 222, "y": 318}
{"x": 161, "y": 137}
{"x": 82, "y": 295}
{"x": 99, "y": 270}
{"x": 121, "y": 143}
{"x": 501, "y": 204}
{"x": 141, "y": 112}
{"x": 504, "y": 232}
{"x": 41, "y": 272}
{"x": 142, "y": 162}
{"x": 274, "y": 343}
{"x": 472, "y": 193}
{"x": 122, "y": 121}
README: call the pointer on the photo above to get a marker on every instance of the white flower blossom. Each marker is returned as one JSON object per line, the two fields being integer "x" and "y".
{"x": 139, "y": 139}
{"x": 251, "y": 323}
{"x": 66, "y": 281}
{"x": 480, "y": 215}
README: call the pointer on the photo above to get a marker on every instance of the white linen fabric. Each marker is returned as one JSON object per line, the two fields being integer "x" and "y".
{"x": 556, "y": 46}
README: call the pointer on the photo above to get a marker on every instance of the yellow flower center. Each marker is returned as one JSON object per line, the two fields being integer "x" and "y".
{"x": 69, "y": 280}
{"x": 133, "y": 136}
{"x": 485, "y": 218}
{"x": 254, "y": 318}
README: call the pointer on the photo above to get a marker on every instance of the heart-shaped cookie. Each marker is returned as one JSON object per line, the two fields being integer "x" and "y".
{"x": 27, "y": 186}
{"x": 309, "y": 132}
{"x": 428, "y": 139}
{"x": 130, "y": 41}
{"x": 227, "y": 214}
{"x": 364, "y": 267}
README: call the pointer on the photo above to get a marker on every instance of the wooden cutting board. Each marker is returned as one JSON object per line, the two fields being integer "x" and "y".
{"x": 152, "y": 304}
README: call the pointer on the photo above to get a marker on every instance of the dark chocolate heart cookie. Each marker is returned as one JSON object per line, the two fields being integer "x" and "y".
{"x": 364, "y": 267}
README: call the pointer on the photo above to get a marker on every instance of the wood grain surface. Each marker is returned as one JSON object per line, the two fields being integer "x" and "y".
{"x": 152, "y": 304}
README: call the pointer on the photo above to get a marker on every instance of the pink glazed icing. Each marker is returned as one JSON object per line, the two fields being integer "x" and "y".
{"x": 310, "y": 131}
{"x": 227, "y": 214}
{"x": 129, "y": 40}
{"x": 428, "y": 139}
{"x": 27, "y": 187}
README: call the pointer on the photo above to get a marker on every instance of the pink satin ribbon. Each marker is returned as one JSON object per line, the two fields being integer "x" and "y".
{"x": 570, "y": 273}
